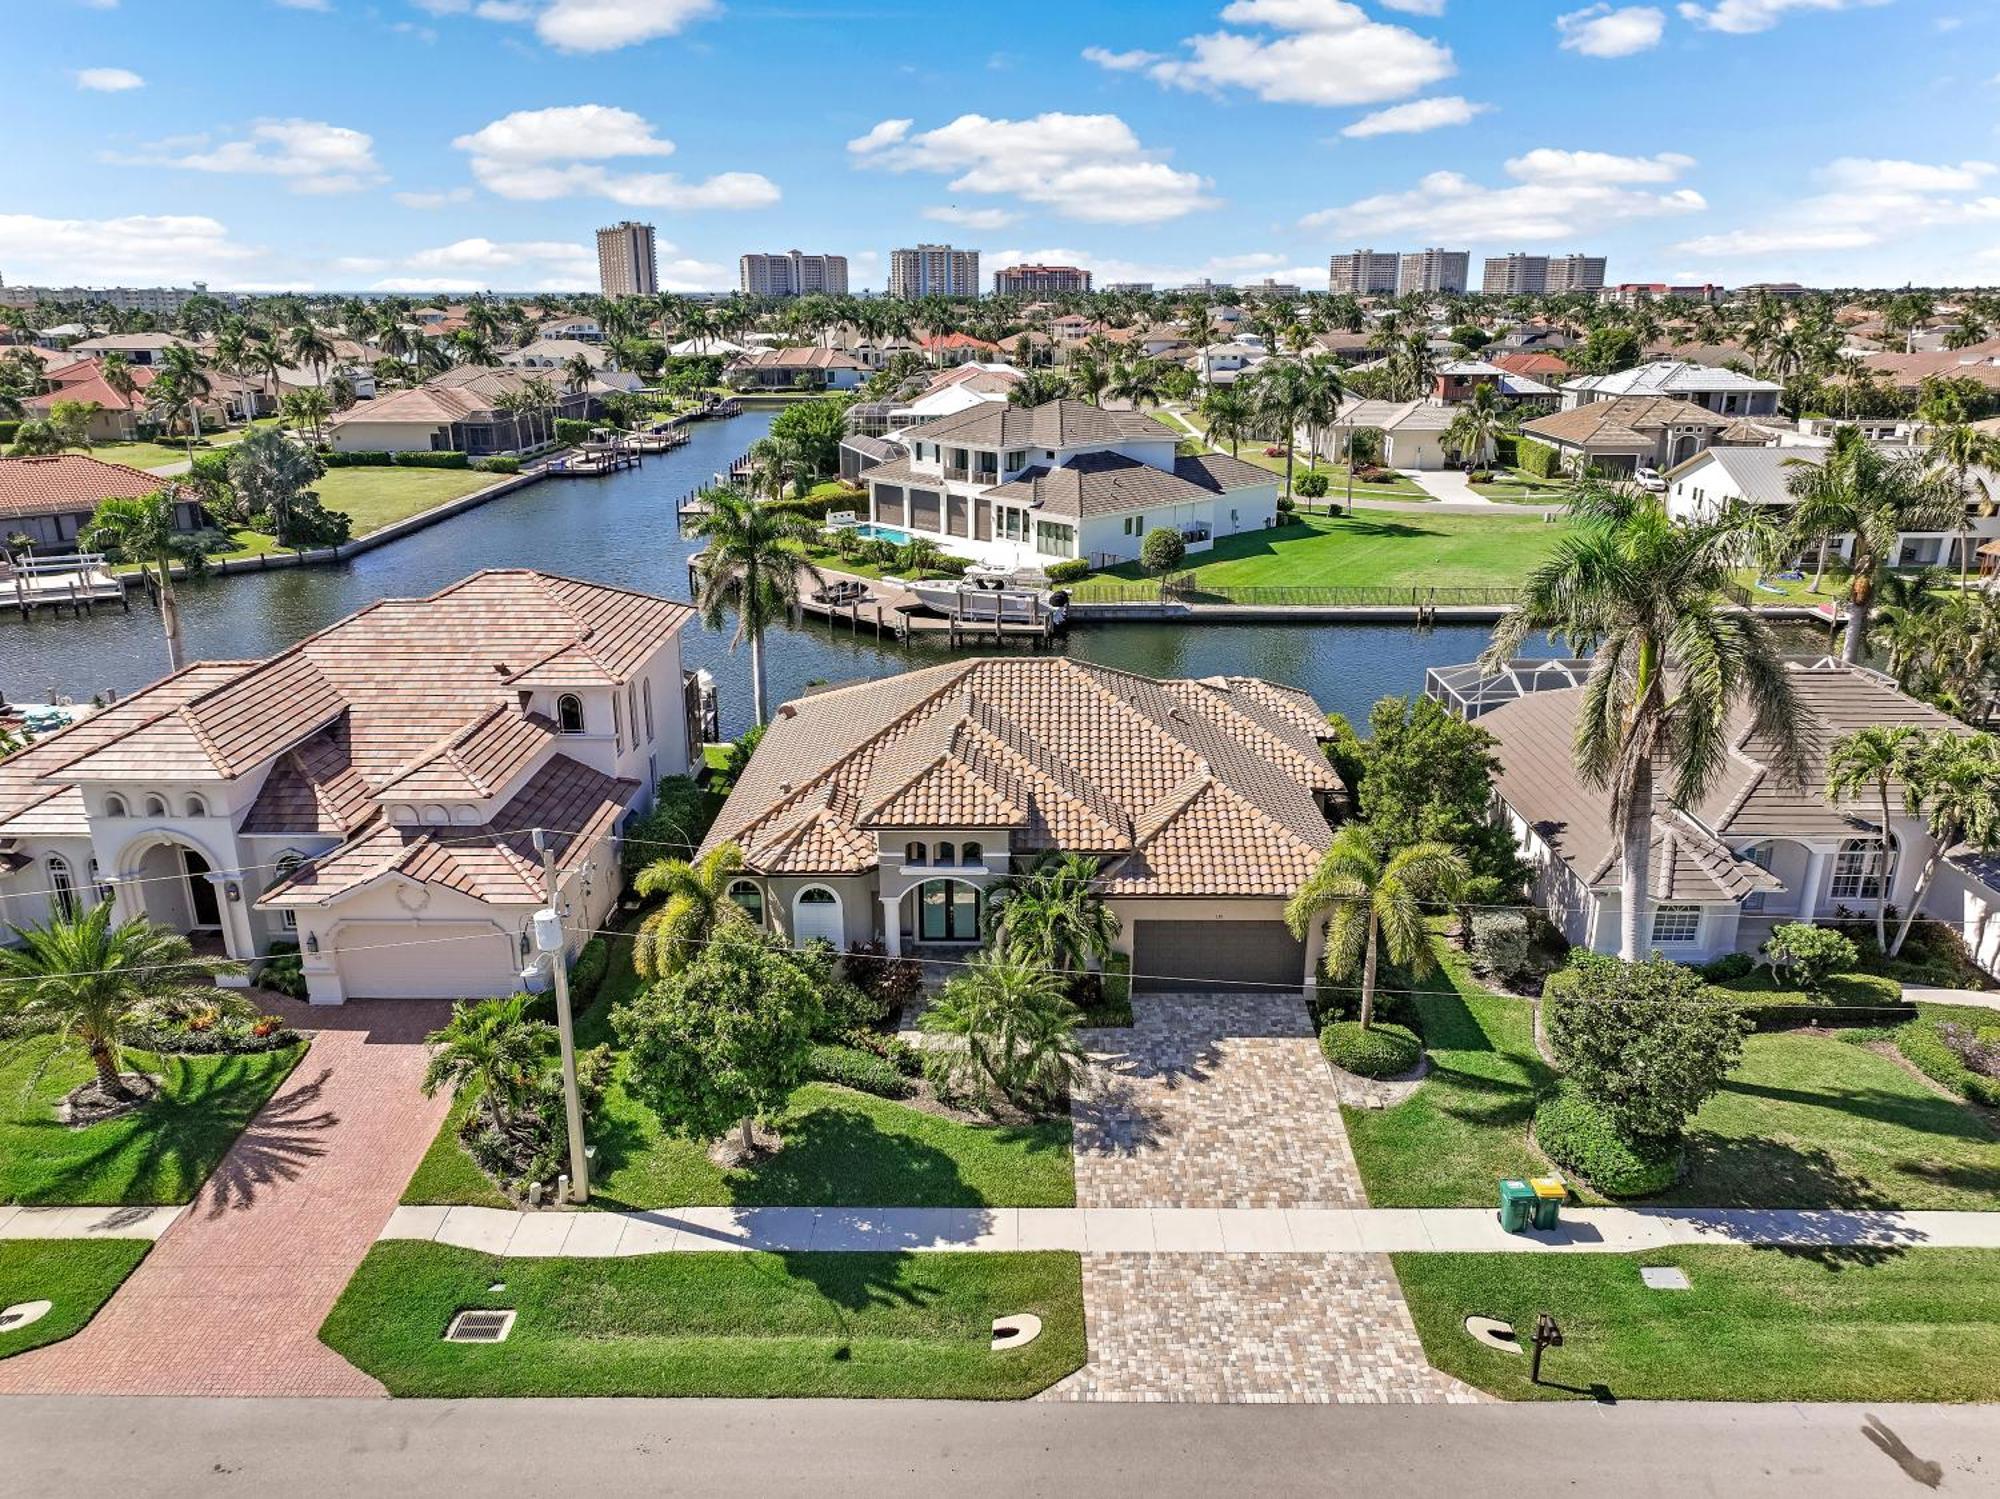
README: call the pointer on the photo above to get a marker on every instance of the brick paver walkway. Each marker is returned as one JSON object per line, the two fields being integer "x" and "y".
{"x": 230, "y": 1300}
{"x": 1212, "y": 1102}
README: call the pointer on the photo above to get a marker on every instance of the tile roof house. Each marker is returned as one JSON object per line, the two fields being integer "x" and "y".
{"x": 456, "y": 412}
{"x": 49, "y": 500}
{"x": 369, "y": 793}
{"x": 784, "y": 369}
{"x": 1025, "y": 487}
{"x": 1724, "y": 392}
{"x": 1631, "y": 433}
{"x": 1412, "y": 431}
{"x": 119, "y": 416}
{"x": 1756, "y": 851}
{"x": 888, "y": 810}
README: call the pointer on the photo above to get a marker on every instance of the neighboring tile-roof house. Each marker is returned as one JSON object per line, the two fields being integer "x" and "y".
{"x": 796, "y": 359}
{"x": 1110, "y": 483}
{"x": 1187, "y": 788}
{"x": 1053, "y": 424}
{"x": 1536, "y": 366}
{"x": 464, "y": 394}
{"x": 1632, "y": 422}
{"x": 67, "y": 483}
{"x": 84, "y": 381}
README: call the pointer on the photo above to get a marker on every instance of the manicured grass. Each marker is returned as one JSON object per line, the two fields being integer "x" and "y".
{"x": 1757, "y": 1324}
{"x": 1373, "y": 549}
{"x": 157, "y": 1154}
{"x": 842, "y": 1149}
{"x": 1523, "y": 491}
{"x": 830, "y": 561}
{"x": 877, "y": 1326}
{"x": 1812, "y": 1121}
{"x": 160, "y": 454}
{"x": 374, "y": 497}
{"x": 78, "y": 1275}
{"x": 1466, "y": 1127}
{"x": 1336, "y": 472}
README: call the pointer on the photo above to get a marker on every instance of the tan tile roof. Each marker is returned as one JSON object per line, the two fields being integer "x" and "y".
{"x": 313, "y": 788}
{"x": 1630, "y": 421}
{"x": 67, "y": 484}
{"x": 479, "y": 760}
{"x": 1053, "y": 424}
{"x": 795, "y": 359}
{"x": 1191, "y": 787}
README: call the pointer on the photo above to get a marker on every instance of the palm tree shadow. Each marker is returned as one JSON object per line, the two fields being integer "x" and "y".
{"x": 277, "y": 1146}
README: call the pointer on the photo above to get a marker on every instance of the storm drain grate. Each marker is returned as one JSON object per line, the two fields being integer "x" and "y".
{"x": 479, "y": 1327}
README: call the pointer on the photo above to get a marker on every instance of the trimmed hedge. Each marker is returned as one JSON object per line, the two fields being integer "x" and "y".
{"x": 1846, "y": 999}
{"x": 432, "y": 460}
{"x": 1383, "y": 1050}
{"x": 854, "y": 1068}
{"x": 1925, "y": 1049}
{"x": 1073, "y": 571}
{"x": 572, "y": 429}
{"x": 1574, "y": 1133}
{"x": 505, "y": 463}
{"x": 1537, "y": 459}
{"x": 357, "y": 460}
{"x": 586, "y": 973}
{"x": 395, "y": 460}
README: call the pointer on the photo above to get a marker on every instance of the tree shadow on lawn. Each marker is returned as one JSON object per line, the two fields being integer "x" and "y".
{"x": 1730, "y": 1171}
{"x": 1922, "y": 1114}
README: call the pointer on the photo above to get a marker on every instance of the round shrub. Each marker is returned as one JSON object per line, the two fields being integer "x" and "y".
{"x": 860, "y": 1070}
{"x": 1380, "y": 1051}
{"x": 1310, "y": 485}
{"x": 1577, "y": 1135}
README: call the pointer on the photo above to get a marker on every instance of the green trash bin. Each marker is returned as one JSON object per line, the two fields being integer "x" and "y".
{"x": 1517, "y": 1206}
{"x": 1550, "y": 1194}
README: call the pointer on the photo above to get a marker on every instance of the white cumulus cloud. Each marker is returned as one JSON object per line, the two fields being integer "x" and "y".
{"x": 310, "y": 155}
{"x": 1742, "y": 17}
{"x": 138, "y": 250}
{"x": 108, "y": 80}
{"x": 1865, "y": 202}
{"x": 537, "y": 155}
{"x": 585, "y": 25}
{"x": 1602, "y": 31}
{"x": 972, "y": 218}
{"x": 1417, "y": 116}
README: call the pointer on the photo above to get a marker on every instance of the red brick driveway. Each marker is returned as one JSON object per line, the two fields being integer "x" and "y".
{"x": 231, "y": 1298}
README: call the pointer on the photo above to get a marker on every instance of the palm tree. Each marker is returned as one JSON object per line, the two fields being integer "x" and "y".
{"x": 578, "y": 372}
{"x": 1412, "y": 369}
{"x": 1377, "y": 905}
{"x": 1137, "y": 382}
{"x": 1322, "y": 392}
{"x": 1038, "y": 388}
{"x": 88, "y": 978}
{"x": 1017, "y": 1029}
{"x": 1868, "y": 760}
{"x": 180, "y": 365}
{"x": 1229, "y": 414}
{"x": 311, "y": 349}
{"x": 752, "y": 563}
{"x": 1672, "y": 659}
{"x": 117, "y": 374}
{"x": 1863, "y": 492}
{"x": 1054, "y": 915}
{"x": 1280, "y": 391}
{"x": 1476, "y": 426}
{"x": 142, "y": 530}
{"x": 495, "y": 1046}
{"x": 695, "y": 900}
{"x": 1952, "y": 781}
{"x": 1088, "y": 378}
{"x": 1958, "y": 448}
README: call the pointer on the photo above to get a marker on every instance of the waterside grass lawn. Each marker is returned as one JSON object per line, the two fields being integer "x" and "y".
{"x": 375, "y": 497}
{"x": 722, "y": 1324}
{"x": 1373, "y": 549}
{"x": 842, "y": 1149}
{"x": 1756, "y": 1324}
{"x": 78, "y": 1275}
{"x": 160, "y": 454}
{"x": 1399, "y": 488}
{"x": 160, "y": 1153}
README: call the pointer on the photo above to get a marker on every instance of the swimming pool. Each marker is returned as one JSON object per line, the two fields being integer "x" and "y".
{"x": 873, "y": 532}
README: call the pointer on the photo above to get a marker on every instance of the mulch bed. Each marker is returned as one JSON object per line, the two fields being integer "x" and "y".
{"x": 93, "y": 1104}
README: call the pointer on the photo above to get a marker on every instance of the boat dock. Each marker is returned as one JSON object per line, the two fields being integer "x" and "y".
{"x": 77, "y": 583}
{"x": 890, "y": 608}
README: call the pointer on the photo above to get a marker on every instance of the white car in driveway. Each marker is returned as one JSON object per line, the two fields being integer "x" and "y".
{"x": 1649, "y": 480}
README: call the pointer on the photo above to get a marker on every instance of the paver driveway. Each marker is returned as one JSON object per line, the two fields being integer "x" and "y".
{"x": 1225, "y": 1101}
{"x": 231, "y": 1298}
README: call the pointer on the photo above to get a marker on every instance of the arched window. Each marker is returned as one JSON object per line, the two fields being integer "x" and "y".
{"x": 913, "y": 853}
{"x": 971, "y": 853}
{"x": 748, "y": 895}
{"x": 62, "y": 888}
{"x": 816, "y": 917}
{"x": 569, "y": 713}
{"x": 156, "y": 806}
{"x": 196, "y": 807}
{"x": 1859, "y": 870}
{"x": 944, "y": 854}
{"x": 114, "y": 806}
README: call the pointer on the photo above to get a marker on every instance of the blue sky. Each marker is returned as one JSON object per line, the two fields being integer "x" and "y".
{"x": 446, "y": 144}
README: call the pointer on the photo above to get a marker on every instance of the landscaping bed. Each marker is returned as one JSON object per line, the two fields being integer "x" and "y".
{"x": 78, "y": 1275}
{"x": 712, "y": 1324}
{"x": 1756, "y": 1324}
{"x": 160, "y": 1153}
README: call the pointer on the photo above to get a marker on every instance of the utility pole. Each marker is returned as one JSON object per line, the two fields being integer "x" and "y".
{"x": 550, "y": 938}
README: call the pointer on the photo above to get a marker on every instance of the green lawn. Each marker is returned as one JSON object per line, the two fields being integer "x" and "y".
{"x": 1373, "y": 549}
{"x": 1253, "y": 452}
{"x": 374, "y": 497}
{"x": 78, "y": 1275}
{"x": 158, "y": 1154}
{"x": 879, "y": 1326}
{"x": 1757, "y": 1324}
{"x": 842, "y": 1149}
{"x": 159, "y": 454}
{"x": 1523, "y": 491}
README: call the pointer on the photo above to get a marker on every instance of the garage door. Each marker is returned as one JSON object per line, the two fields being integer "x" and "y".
{"x": 432, "y": 960}
{"x": 1170, "y": 955}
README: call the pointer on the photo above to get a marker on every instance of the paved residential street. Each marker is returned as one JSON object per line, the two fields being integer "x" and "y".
{"x": 315, "y": 1449}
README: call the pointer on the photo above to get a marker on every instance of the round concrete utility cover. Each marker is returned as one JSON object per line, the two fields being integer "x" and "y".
{"x": 1493, "y": 1334}
{"x": 18, "y": 1316}
{"x": 1016, "y": 1332}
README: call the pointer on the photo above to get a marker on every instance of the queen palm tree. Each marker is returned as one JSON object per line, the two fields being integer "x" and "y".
{"x": 1958, "y": 449}
{"x": 1952, "y": 781}
{"x": 1322, "y": 392}
{"x": 1376, "y": 901}
{"x": 494, "y": 1046}
{"x": 752, "y": 564}
{"x": 116, "y": 372}
{"x": 142, "y": 530}
{"x": 180, "y": 364}
{"x": 1671, "y": 661}
{"x": 88, "y": 979}
{"x": 1229, "y": 414}
{"x": 694, "y": 896}
{"x": 1863, "y": 492}
{"x": 578, "y": 372}
{"x": 1280, "y": 391}
{"x": 1870, "y": 759}
{"x": 1476, "y": 426}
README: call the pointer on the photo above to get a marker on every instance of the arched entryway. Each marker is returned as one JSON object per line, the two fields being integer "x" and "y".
{"x": 816, "y": 916}
{"x": 171, "y": 883}
{"x": 947, "y": 910}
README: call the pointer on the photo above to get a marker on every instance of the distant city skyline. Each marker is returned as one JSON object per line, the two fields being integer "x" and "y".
{"x": 436, "y": 146}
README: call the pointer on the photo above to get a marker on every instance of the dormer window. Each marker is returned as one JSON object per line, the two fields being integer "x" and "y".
{"x": 569, "y": 713}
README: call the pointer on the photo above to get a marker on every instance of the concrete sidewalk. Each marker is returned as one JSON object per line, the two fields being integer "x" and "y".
{"x": 1170, "y": 1230}
{"x": 87, "y": 1223}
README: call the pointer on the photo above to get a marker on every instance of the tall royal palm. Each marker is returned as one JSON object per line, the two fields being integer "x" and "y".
{"x": 1863, "y": 492}
{"x": 1672, "y": 662}
{"x": 142, "y": 530}
{"x": 1322, "y": 391}
{"x": 1281, "y": 395}
{"x": 752, "y": 564}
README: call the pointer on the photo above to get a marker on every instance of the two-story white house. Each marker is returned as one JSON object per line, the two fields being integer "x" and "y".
{"x": 370, "y": 793}
{"x": 1724, "y": 392}
{"x": 1026, "y": 487}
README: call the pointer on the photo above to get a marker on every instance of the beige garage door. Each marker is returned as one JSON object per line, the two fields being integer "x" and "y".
{"x": 435, "y": 960}
{"x": 1170, "y": 955}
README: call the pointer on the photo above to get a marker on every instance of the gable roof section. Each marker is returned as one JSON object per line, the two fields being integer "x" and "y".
{"x": 67, "y": 484}
{"x": 1633, "y": 421}
{"x": 1053, "y": 424}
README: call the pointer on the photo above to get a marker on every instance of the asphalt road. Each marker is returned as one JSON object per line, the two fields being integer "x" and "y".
{"x": 304, "y": 1449}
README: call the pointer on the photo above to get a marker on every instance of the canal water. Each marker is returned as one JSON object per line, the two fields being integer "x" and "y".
{"x": 624, "y": 529}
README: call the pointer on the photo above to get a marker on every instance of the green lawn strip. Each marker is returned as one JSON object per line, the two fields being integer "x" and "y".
{"x": 1758, "y": 1324}
{"x": 842, "y": 1149}
{"x": 160, "y": 454}
{"x": 376, "y": 497}
{"x": 1467, "y": 1126}
{"x": 160, "y": 1153}
{"x": 447, "y": 1175}
{"x": 1373, "y": 549}
{"x": 1811, "y": 1121}
{"x": 77, "y": 1275}
{"x": 1253, "y": 452}
{"x": 712, "y": 1324}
